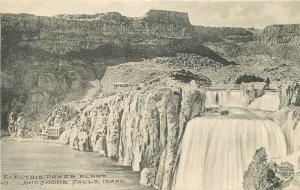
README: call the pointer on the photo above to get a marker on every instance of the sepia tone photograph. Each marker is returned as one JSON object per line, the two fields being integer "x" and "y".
{"x": 150, "y": 95}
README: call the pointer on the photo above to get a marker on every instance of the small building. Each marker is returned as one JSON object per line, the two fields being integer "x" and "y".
{"x": 120, "y": 84}
{"x": 54, "y": 132}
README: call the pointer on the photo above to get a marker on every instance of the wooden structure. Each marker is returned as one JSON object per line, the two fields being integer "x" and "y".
{"x": 54, "y": 132}
{"x": 120, "y": 84}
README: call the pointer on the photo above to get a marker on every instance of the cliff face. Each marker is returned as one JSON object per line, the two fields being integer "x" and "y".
{"x": 290, "y": 93}
{"x": 216, "y": 34}
{"x": 151, "y": 128}
{"x": 278, "y": 34}
{"x": 65, "y": 33}
{"x": 167, "y": 16}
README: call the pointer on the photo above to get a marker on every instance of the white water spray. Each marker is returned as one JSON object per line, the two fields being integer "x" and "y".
{"x": 270, "y": 101}
{"x": 226, "y": 98}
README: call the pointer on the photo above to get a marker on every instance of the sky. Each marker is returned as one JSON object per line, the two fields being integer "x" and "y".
{"x": 255, "y": 14}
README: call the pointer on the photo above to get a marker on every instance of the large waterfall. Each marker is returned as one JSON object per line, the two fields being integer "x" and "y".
{"x": 226, "y": 98}
{"x": 217, "y": 150}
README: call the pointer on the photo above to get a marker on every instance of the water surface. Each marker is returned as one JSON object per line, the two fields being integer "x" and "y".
{"x": 64, "y": 168}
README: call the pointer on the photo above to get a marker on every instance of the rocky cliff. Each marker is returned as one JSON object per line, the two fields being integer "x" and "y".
{"x": 278, "y": 34}
{"x": 217, "y": 34}
{"x": 290, "y": 93}
{"x": 64, "y": 33}
{"x": 142, "y": 128}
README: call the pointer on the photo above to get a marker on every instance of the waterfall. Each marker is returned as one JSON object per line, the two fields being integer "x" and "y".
{"x": 270, "y": 101}
{"x": 226, "y": 98}
{"x": 237, "y": 99}
{"x": 216, "y": 98}
{"x": 217, "y": 151}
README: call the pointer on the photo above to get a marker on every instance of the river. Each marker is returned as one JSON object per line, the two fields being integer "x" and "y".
{"x": 39, "y": 165}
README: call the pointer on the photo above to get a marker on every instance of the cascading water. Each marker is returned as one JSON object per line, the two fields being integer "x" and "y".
{"x": 215, "y": 98}
{"x": 270, "y": 101}
{"x": 237, "y": 99}
{"x": 217, "y": 150}
{"x": 226, "y": 98}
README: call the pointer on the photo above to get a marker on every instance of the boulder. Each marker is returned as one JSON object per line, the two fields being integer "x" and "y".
{"x": 295, "y": 100}
{"x": 147, "y": 177}
{"x": 254, "y": 89}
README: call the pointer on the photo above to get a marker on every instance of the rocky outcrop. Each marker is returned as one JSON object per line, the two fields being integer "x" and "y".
{"x": 44, "y": 90}
{"x": 290, "y": 93}
{"x": 248, "y": 78}
{"x": 167, "y": 16}
{"x": 278, "y": 34}
{"x": 254, "y": 89}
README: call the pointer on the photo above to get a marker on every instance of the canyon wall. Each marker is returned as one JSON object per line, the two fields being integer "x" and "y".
{"x": 217, "y": 34}
{"x": 65, "y": 33}
{"x": 278, "y": 34}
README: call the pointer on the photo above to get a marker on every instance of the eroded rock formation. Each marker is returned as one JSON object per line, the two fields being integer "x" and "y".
{"x": 143, "y": 128}
{"x": 278, "y": 34}
{"x": 150, "y": 126}
{"x": 290, "y": 93}
{"x": 254, "y": 89}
